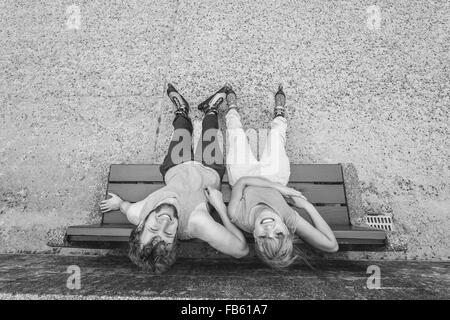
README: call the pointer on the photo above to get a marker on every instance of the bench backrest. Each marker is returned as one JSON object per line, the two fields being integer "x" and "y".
{"x": 322, "y": 184}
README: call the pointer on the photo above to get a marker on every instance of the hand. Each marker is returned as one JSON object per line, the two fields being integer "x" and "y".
{"x": 301, "y": 202}
{"x": 290, "y": 192}
{"x": 111, "y": 204}
{"x": 214, "y": 197}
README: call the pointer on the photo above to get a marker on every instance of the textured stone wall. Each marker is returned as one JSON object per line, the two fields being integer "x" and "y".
{"x": 365, "y": 85}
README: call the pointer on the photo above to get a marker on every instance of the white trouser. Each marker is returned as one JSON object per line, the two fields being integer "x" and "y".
{"x": 274, "y": 163}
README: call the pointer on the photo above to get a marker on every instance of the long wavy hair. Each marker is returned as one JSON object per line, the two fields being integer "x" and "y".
{"x": 279, "y": 253}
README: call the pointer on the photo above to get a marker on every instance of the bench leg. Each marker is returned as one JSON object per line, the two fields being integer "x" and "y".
{"x": 57, "y": 237}
{"x": 353, "y": 195}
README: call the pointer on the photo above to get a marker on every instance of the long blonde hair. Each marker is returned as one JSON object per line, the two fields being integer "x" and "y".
{"x": 279, "y": 253}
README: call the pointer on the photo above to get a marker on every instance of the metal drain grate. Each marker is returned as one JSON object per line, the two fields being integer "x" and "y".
{"x": 380, "y": 222}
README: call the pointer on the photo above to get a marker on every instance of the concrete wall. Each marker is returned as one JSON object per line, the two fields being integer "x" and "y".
{"x": 78, "y": 95}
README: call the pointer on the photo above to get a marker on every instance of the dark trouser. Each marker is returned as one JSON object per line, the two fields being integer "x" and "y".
{"x": 208, "y": 150}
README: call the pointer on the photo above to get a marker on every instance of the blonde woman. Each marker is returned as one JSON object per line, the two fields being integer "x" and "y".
{"x": 258, "y": 203}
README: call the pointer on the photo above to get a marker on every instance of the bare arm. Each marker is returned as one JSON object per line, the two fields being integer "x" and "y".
{"x": 131, "y": 210}
{"x": 224, "y": 238}
{"x": 320, "y": 235}
{"x": 242, "y": 183}
{"x": 222, "y": 211}
{"x": 231, "y": 240}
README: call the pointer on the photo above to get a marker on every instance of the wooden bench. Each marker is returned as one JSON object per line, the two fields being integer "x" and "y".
{"x": 322, "y": 184}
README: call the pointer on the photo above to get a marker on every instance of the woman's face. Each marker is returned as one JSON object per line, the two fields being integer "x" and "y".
{"x": 163, "y": 224}
{"x": 269, "y": 224}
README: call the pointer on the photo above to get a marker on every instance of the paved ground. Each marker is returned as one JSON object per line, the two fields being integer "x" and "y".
{"x": 45, "y": 276}
{"x": 82, "y": 87}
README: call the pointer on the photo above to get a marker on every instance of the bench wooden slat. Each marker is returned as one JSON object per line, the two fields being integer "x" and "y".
{"x": 321, "y": 193}
{"x": 133, "y": 192}
{"x": 124, "y": 240}
{"x": 344, "y": 234}
{"x": 316, "y": 173}
{"x": 316, "y": 193}
{"x": 351, "y": 232}
{"x": 331, "y": 173}
{"x": 332, "y": 215}
{"x": 122, "y": 230}
{"x": 361, "y": 242}
{"x": 96, "y": 239}
{"x": 135, "y": 172}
